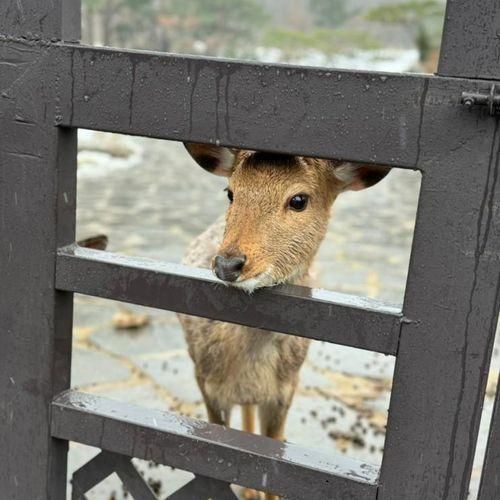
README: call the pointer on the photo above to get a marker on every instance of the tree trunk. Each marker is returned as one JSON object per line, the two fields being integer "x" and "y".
{"x": 107, "y": 22}
{"x": 89, "y": 35}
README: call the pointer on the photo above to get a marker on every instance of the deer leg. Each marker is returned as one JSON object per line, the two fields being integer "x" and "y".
{"x": 216, "y": 415}
{"x": 272, "y": 417}
{"x": 248, "y": 420}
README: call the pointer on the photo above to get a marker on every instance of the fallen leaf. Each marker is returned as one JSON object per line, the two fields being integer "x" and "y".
{"x": 127, "y": 320}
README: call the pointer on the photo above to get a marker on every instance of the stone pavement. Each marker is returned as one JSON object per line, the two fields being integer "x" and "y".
{"x": 150, "y": 199}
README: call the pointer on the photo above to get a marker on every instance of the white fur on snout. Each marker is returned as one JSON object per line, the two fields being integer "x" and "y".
{"x": 250, "y": 285}
{"x": 262, "y": 280}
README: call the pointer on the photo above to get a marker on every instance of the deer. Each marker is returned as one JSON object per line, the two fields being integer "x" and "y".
{"x": 278, "y": 214}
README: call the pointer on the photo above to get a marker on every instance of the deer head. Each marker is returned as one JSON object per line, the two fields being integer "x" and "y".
{"x": 279, "y": 208}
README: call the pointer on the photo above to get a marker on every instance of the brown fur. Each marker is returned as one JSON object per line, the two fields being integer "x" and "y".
{"x": 237, "y": 365}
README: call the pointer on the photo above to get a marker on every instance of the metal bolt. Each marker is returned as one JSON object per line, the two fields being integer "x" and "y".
{"x": 468, "y": 102}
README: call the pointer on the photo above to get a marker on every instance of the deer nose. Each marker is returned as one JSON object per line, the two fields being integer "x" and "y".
{"x": 228, "y": 268}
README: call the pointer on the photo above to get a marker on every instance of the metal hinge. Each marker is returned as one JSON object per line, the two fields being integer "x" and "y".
{"x": 491, "y": 100}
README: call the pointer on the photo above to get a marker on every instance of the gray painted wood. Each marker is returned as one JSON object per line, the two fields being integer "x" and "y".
{"x": 210, "y": 450}
{"x": 92, "y": 473}
{"x": 453, "y": 295}
{"x": 201, "y": 487}
{"x": 41, "y": 19}
{"x": 37, "y": 188}
{"x": 471, "y": 39}
{"x": 360, "y": 116}
{"x": 319, "y": 314}
{"x": 132, "y": 480}
{"x": 320, "y": 112}
{"x": 103, "y": 465}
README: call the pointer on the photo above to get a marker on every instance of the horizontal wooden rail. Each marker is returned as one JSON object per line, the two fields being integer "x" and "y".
{"x": 321, "y": 112}
{"x": 210, "y": 450}
{"x": 313, "y": 313}
{"x": 355, "y": 115}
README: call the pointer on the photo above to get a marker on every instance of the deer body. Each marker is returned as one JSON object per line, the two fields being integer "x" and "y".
{"x": 278, "y": 215}
{"x": 237, "y": 365}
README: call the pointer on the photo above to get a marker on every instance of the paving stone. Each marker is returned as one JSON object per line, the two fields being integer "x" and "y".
{"x": 140, "y": 395}
{"x": 89, "y": 314}
{"x": 332, "y": 427}
{"x": 90, "y": 367}
{"x": 174, "y": 373}
{"x": 151, "y": 339}
{"x": 342, "y": 359}
{"x": 311, "y": 378}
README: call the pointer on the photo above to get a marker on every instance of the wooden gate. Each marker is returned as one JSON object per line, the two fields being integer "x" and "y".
{"x": 445, "y": 125}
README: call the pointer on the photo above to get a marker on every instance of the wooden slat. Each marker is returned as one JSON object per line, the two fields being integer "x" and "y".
{"x": 317, "y": 314}
{"x": 365, "y": 116}
{"x": 210, "y": 450}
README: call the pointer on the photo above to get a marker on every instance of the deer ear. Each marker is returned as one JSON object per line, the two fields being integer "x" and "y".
{"x": 214, "y": 159}
{"x": 358, "y": 176}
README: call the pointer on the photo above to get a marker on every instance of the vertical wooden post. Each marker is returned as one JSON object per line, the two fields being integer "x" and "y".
{"x": 453, "y": 291}
{"x": 37, "y": 211}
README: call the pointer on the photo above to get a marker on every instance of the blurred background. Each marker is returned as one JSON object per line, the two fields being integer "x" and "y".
{"x": 313, "y": 32}
{"x": 151, "y": 200}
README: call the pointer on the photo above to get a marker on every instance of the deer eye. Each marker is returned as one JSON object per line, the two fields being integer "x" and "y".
{"x": 298, "y": 202}
{"x": 230, "y": 195}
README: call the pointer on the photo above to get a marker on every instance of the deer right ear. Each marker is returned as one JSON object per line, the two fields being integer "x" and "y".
{"x": 214, "y": 159}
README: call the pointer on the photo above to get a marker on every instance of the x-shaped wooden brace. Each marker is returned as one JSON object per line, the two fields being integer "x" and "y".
{"x": 106, "y": 463}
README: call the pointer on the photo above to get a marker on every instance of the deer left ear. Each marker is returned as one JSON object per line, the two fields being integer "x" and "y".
{"x": 358, "y": 176}
{"x": 214, "y": 159}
